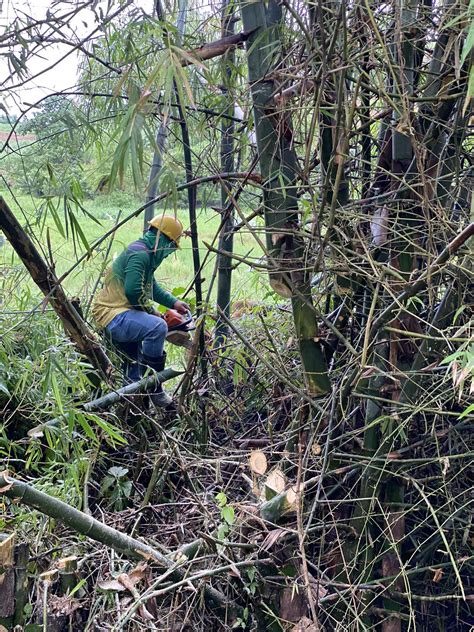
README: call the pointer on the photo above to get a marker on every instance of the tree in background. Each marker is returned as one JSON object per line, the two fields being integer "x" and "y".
{"x": 56, "y": 158}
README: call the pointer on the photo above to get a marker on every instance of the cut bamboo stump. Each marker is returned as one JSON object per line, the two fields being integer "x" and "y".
{"x": 13, "y": 581}
{"x": 258, "y": 462}
{"x": 286, "y": 502}
{"x": 67, "y": 574}
{"x": 274, "y": 484}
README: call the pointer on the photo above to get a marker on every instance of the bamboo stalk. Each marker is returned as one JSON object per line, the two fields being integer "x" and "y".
{"x": 22, "y": 553}
{"x": 98, "y": 531}
{"x": 226, "y": 237}
{"x": 279, "y": 168}
{"x": 44, "y": 277}
{"x": 146, "y": 384}
{"x": 224, "y": 45}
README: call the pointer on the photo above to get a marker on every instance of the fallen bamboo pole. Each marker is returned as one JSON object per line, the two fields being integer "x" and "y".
{"x": 102, "y": 403}
{"x": 213, "y": 49}
{"x": 98, "y": 531}
{"x": 45, "y": 278}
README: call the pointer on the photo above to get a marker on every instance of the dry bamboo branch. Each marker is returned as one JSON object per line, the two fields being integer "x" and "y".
{"x": 422, "y": 282}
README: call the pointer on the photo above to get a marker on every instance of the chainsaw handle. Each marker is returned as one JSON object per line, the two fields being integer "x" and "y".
{"x": 188, "y": 319}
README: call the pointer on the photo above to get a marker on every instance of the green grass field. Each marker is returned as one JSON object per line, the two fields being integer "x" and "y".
{"x": 176, "y": 271}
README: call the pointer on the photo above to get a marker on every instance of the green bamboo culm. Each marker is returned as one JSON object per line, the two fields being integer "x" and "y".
{"x": 226, "y": 238}
{"x": 279, "y": 169}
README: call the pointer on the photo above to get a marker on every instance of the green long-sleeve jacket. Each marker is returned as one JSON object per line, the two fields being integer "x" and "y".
{"x": 130, "y": 283}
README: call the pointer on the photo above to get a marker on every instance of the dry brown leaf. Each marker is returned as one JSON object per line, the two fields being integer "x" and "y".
{"x": 125, "y": 581}
{"x": 139, "y": 572}
{"x": 305, "y": 625}
{"x": 64, "y": 605}
{"x": 145, "y": 614}
{"x": 316, "y": 449}
{"x": 271, "y": 538}
{"x": 111, "y": 584}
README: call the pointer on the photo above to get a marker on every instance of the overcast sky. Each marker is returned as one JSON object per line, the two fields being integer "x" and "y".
{"x": 47, "y": 73}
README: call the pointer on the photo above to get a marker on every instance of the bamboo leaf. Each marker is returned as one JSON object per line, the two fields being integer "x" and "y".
{"x": 81, "y": 419}
{"x": 181, "y": 80}
{"x": 57, "y": 221}
{"x": 467, "y": 411}
{"x": 468, "y": 43}
{"x": 56, "y": 393}
{"x": 78, "y": 230}
{"x": 111, "y": 431}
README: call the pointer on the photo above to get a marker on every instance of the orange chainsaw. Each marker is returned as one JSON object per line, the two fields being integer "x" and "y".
{"x": 179, "y": 322}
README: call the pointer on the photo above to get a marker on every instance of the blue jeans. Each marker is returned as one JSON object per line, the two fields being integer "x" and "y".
{"x": 137, "y": 332}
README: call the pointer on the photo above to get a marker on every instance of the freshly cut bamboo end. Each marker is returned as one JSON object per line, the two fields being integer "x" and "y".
{"x": 279, "y": 506}
{"x": 180, "y": 339}
{"x": 280, "y": 287}
{"x": 49, "y": 576}
{"x": 258, "y": 462}
{"x": 317, "y": 384}
{"x": 291, "y": 497}
{"x": 7, "y": 544}
{"x": 274, "y": 484}
{"x": 67, "y": 563}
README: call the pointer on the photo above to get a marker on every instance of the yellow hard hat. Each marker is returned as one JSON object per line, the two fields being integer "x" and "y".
{"x": 169, "y": 226}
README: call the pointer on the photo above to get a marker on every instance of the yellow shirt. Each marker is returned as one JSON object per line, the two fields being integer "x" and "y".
{"x": 110, "y": 301}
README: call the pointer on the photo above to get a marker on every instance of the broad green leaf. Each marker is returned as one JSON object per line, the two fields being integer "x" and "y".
{"x": 221, "y": 499}
{"x": 228, "y": 514}
{"x": 117, "y": 471}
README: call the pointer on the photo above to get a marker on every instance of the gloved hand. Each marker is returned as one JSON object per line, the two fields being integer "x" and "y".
{"x": 181, "y": 307}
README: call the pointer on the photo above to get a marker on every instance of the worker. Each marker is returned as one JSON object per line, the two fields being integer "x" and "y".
{"x": 124, "y": 306}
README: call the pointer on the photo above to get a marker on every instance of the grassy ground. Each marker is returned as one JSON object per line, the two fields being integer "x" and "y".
{"x": 176, "y": 271}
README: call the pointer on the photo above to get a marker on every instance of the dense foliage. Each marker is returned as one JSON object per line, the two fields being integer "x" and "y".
{"x": 316, "y": 473}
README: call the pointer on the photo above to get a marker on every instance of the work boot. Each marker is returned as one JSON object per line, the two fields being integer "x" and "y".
{"x": 130, "y": 366}
{"x": 159, "y": 398}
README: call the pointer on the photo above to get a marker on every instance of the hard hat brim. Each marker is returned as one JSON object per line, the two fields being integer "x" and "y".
{"x": 176, "y": 243}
